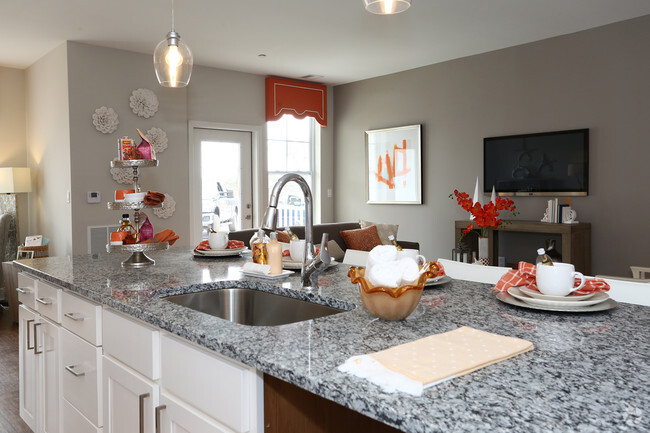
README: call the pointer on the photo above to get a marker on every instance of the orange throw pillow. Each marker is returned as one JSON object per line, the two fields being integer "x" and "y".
{"x": 361, "y": 239}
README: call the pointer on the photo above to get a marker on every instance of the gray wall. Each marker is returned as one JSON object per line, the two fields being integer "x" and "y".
{"x": 595, "y": 79}
{"x": 103, "y": 76}
{"x": 48, "y": 149}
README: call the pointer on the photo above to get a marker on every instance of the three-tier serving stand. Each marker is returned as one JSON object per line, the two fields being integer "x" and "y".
{"x": 138, "y": 257}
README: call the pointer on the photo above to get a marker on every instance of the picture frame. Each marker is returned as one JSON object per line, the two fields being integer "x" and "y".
{"x": 25, "y": 255}
{"x": 394, "y": 165}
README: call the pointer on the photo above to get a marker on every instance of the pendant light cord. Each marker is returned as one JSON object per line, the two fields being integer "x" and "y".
{"x": 173, "y": 15}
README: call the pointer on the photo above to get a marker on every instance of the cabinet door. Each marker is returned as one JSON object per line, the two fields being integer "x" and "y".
{"x": 129, "y": 400}
{"x": 27, "y": 366}
{"x": 174, "y": 417}
{"x": 48, "y": 354}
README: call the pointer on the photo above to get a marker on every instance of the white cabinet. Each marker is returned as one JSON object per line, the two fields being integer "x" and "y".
{"x": 129, "y": 399}
{"x": 175, "y": 417}
{"x": 39, "y": 384}
{"x": 27, "y": 366}
{"x": 158, "y": 377}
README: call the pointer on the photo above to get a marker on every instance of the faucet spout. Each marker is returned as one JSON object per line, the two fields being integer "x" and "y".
{"x": 312, "y": 265}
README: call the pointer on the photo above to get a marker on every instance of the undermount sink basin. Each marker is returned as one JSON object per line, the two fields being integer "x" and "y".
{"x": 252, "y": 307}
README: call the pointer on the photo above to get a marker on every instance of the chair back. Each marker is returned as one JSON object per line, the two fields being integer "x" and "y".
{"x": 470, "y": 272}
{"x": 640, "y": 272}
{"x": 627, "y": 290}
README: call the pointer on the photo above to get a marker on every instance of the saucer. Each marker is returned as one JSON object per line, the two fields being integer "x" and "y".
{"x": 539, "y": 295}
{"x": 596, "y": 299}
{"x": 609, "y": 304}
{"x": 220, "y": 253}
{"x": 443, "y": 279}
{"x": 285, "y": 273}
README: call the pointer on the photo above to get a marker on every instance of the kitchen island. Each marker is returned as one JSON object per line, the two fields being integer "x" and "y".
{"x": 588, "y": 372}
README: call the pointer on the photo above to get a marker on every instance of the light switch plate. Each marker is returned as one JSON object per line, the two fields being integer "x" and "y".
{"x": 94, "y": 197}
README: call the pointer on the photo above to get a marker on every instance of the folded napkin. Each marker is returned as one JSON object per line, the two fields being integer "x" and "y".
{"x": 441, "y": 269}
{"x": 166, "y": 235}
{"x": 414, "y": 366}
{"x": 256, "y": 268}
{"x": 525, "y": 276}
{"x": 153, "y": 198}
{"x": 203, "y": 245}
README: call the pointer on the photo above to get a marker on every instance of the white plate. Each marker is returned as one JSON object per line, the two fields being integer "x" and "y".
{"x": 285, "y": 273}
{"x": 291, "y": 264}
{"x": 596, "y": 299}
{"x": 443, "y": 279}
{"x": 602, "y": 306}
{"x": 538, "y": 295}
{"x": 220, "y": 253}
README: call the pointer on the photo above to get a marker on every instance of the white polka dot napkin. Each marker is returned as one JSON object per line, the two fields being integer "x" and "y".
{"x": 413, "y": 366}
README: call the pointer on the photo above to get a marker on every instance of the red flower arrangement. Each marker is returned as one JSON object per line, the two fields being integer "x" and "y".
{"x": 485, "y": 216}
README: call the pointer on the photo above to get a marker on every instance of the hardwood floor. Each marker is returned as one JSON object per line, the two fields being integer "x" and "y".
{"x": 10, "y": 421}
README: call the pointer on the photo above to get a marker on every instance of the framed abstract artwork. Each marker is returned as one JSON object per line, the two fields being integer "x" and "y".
{"x": 394, "y": 165}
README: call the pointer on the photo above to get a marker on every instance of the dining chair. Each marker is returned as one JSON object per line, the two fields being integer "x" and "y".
{"x": 471, "y": 272}
{"x": 628, "y": 291}
{"x": 639, "y": 272}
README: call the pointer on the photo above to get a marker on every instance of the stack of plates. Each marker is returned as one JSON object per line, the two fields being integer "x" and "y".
{"x": 226, "y": 252}
{"x": 525, "y": 297}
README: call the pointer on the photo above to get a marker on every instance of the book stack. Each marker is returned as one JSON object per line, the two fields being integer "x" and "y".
{"x": 554, "y": 211}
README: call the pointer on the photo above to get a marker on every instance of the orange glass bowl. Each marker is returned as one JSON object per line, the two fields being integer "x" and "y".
{"x": 391, "y": 303}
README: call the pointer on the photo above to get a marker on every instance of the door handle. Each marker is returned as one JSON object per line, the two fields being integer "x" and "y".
{"x": 158, "y": 409}
{"x": 141, "y": 397}
{"x": 28, "y": 322}
{"x": 71, "y": 369}
{"x": 36, "y": 351}
{"x": 43, "y": 301}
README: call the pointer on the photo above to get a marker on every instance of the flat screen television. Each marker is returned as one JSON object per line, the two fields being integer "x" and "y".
{"x": 542, "y": 164}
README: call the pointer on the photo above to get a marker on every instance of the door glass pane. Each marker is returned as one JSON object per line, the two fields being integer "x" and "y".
{"x": 220, "y": 185}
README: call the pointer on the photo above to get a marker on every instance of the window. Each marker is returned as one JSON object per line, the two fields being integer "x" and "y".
{"x": 290, "y": 149}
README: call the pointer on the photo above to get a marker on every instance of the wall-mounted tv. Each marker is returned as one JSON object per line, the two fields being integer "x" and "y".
{"x": 542, "y": 164}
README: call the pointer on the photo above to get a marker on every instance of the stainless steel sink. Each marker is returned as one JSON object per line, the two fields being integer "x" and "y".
{"x": 252, "y": 307}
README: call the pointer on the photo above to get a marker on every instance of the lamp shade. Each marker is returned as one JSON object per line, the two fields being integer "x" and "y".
{"x": 15, "y": 179}
{"x": 173, "y": 61}
{"x": 387, "y": 7}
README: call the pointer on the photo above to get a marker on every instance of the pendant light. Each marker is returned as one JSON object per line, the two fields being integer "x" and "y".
{"x": 172, "y": 60}
{"x": 387, "y": 7}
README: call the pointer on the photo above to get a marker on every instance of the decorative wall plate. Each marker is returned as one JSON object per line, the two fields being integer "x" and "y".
{"x": 105, "y": 120}
{"x": 144, "y": 103}
{"x": 158, "y": 139}
{"x": 167, "y": 209}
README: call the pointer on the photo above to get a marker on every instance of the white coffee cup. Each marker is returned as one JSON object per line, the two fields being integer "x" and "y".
{"x": 218, "y": 240}
{"x": 297, "y": 250}
{"x": 413, "y": 254}
{"x": 558, "y": 280}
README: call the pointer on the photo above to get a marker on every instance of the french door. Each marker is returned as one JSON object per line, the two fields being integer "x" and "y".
{"x": 223, "y": 162}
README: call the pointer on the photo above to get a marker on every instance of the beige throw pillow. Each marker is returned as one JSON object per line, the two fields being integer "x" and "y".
{"x": 383, "y": 230}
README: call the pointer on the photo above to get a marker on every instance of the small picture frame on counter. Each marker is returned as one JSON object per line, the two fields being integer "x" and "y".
{"x": 25, "y": 255}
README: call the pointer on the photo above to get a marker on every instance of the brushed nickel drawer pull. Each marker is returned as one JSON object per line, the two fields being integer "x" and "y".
{"x": 28, "y": 322}
{"x": 71, "y": 369}
{"x": 77, "y": 317}
{"x": 36, "y": 351}
{"x": 43, "y": 301}
{"x": 158, "y": 409}
{"x": 141, "y": 409}
{"x": 23, "y": 291}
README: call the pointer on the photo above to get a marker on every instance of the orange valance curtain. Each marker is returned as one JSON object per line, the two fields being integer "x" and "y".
{"x": 299, "y": 98}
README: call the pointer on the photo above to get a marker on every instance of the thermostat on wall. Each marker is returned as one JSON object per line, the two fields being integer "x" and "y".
{"x": 94, "y": 197}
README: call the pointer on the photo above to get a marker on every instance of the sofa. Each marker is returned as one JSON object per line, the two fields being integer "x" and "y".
{"x": 333, "y": 229}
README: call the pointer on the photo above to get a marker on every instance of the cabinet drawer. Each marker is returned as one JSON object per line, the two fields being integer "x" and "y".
{"x": 81, "y": 375}
{"x": 26, "y": 290}
{"x": 48, "y": 300}
{"x": 74, "y": 422}
{"x": 213, "y": 384}
{"x": 133, "y": 342}
{"x": 82, "y": 317}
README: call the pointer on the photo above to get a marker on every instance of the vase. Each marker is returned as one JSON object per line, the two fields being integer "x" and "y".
{"x": 483, "y": 251}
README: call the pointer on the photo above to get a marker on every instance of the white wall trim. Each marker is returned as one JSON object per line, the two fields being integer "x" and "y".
{"x": 258, "y": 169}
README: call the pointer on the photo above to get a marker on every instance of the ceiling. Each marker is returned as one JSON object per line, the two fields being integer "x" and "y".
{"x": 327, "y": 41}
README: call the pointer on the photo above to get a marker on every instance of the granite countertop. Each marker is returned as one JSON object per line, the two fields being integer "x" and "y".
{"x": 588, "y": 372}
